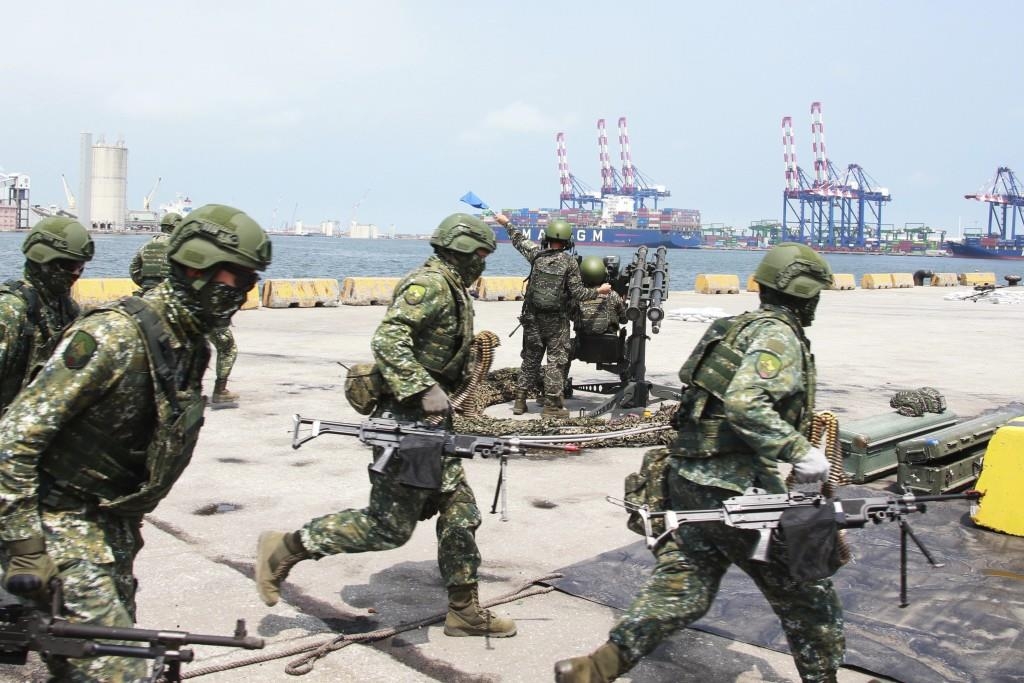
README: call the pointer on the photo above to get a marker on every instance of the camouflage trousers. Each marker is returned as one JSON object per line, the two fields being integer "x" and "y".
{"x": 392, "y": 514}
{"x": 687, "y": 576}
{"x": 94, "y": 553}
{"x": 544, "y": 334}
{"x": 227, "y": 350}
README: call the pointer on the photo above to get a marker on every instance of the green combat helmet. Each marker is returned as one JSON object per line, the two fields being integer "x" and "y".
{"x": 169, "y": 221}
{"x": 57, "y": 237}
{"x": 464, "y": 233}
{"x": 214, "y": 234}
{"x": 560, "y": 230}
{"x": 794, "y": 269}
{"x": 593, "y": 271}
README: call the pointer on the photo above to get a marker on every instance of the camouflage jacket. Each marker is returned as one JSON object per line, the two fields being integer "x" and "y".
{"x": 98, "y": 375}
{"x": 774, "y": 378}
{"x": 150, "y": 266}
{"x": 28, "y": 338}
{"x": 426, "y": 333}
{"x": 601, "y": 315}
{"x": 553, "y": 260}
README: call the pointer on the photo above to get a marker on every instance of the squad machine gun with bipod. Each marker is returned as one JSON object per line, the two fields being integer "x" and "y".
{"x": 24, "y": 628}
{"x": 643, "y": 284}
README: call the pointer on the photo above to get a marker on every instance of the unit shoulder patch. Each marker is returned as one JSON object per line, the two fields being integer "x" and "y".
{"x": 79, "y": 350}
{"x": 768, "y": 365}
{"x": 414, "y": 294}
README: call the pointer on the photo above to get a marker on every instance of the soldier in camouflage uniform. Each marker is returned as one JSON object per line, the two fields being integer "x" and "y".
{"x": 149, "y": 267}
{"x": 107, "y": 426}
{"x": 36, "y": 310}
{"x": 421, "y": 348}
{"x": 749, "y": 399}
{"x": 553, "y": 290}
{"x": 606, "y": 313}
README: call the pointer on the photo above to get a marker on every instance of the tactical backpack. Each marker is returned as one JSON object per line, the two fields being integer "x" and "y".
{"x": 546, "y": 290}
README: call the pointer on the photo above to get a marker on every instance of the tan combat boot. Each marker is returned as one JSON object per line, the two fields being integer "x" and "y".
{"x": 519, "y": 407}
{"x": 554, "y": 406}
{"x": 276, "y": 553}
{"x": 467, "y": 618}
{"x": 603, "y": 665}
{"x": 221, "y": 393}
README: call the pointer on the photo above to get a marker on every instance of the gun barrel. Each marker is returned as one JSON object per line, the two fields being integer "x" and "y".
{"x": 64, "y": 629}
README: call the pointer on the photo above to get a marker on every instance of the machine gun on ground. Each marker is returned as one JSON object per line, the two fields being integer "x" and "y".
{"x": 420, "y": 448}
{"x": 644, "y": 286}
{"x": 23, "y": 628}
{"x": 764, "y": 512}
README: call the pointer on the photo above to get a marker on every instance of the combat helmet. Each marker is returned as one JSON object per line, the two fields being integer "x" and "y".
{"x": 464, "y": 234}
{"x": 794, "y": 269}
{"x": 215, "y": 233}
{"x": 593, "y": 271}
{"x": 58, "y": 237}
{"x": 560, "y": 230}
{"x": 169, "y": 221}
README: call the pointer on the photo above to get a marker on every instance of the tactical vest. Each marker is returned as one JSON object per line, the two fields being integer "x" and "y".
{"x": 155, "y": 266}
{"x": 545, "y": 292}
{"x": 707, "y": 373}
{"x": 443, "y": 356}
{"x": 15, "y": 370}
{"x": 85, "y": 463}
{"x": 595, "y": 317}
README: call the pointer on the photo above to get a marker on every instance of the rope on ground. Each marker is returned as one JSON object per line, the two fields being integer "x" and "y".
{"x": 304, "y": 664}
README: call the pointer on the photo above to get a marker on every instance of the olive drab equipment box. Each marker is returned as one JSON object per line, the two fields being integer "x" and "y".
{"x": 1001, "y": 481}
{"x": 951, "y": 457}
{"x": 869, "y": 445}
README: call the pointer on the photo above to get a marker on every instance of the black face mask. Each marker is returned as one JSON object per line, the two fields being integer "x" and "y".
{"x": 218, "y": 302}
{"x": 55, "y": 277}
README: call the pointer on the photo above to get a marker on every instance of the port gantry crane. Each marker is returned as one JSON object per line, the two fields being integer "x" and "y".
{"x": 1005, "y": 204}
{"x": 834, "y": 209}
{"x": 575, "y": 194}
{"x": 631, "y": 182}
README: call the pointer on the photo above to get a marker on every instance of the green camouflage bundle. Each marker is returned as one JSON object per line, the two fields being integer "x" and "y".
{"x": 364, "y": 387}
{"x": 649, "y": 487}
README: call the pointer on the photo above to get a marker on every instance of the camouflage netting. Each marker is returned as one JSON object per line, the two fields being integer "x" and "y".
{"x": 499, "y": 387}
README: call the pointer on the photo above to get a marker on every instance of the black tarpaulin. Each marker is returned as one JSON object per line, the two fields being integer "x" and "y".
{"x": 965, "y": 621}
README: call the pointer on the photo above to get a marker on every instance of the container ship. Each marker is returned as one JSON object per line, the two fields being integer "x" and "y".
{"x": 617, "y": 224}
{"x": 976, "y": 246}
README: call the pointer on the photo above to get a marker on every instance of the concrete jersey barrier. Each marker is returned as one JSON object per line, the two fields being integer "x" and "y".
{"x": 368, "y": 291}
{"x": 500, "y": 288}
{"x": 717, "y": 284}
{"x": 93, "y": 292}
{"x": 300, "y": 293}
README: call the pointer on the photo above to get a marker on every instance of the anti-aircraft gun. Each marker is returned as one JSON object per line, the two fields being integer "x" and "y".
{"x": 643, "y": 284}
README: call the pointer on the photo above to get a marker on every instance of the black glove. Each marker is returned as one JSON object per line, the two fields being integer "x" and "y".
{"x": 30, "y": 568}
{"x": 434, "y": 401}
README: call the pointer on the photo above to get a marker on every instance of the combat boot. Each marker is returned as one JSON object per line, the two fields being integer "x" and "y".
{"x": 601, "y": 666}
{"x": 276, "y": 553}
{"x": 519, "y": 407}
{"x": 467, "y": 618}
{"x": 221, "y": 393}
{"x": 554, "y": 406}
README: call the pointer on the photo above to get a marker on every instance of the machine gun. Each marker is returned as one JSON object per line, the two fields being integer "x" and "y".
{"x": 643, "y": 284}
{"x": 24, "y": 628}
{"x": 420, "y": 448}
{"x": 764, "y": 512}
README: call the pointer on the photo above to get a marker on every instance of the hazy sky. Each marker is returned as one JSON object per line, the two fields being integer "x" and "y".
{"x": 316, "y": 104}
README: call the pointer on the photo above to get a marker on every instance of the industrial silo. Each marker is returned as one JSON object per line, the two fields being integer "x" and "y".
{"x": 109, "y": 185}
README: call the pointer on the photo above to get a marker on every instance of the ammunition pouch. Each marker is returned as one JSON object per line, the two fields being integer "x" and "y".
{"x": 364, "y": 387}
{"x": 807, "y": 543}
{"x": 649, "y": 487}
{"x": 709, "y": 437}
{"x": 606, "y": 349}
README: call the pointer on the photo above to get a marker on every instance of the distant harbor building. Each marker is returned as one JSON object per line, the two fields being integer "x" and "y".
{"x": 109, "y": 185}
{"x": 8, "y": 218}
{"x": 330, "y": 228}
{"x": 364, "y": 232}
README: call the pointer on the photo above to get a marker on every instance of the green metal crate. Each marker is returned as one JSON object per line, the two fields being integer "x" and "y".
{"x": 869, "y": 445}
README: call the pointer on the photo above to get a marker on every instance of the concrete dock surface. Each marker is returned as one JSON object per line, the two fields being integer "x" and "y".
{"x": 196, "y": 569}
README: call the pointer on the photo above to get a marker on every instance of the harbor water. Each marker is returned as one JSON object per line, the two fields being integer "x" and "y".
{"x": 325, "y": 257}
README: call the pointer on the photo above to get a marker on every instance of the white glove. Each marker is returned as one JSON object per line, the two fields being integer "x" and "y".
{"x": 812, "y": 467}
{"x": 434, "y": 401}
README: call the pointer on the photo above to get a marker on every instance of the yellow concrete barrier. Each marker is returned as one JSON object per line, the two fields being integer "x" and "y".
{"x": 717, "y": 284}
{"x": 944, "y": 280}
{"x": 1002, "y": 475}
{"x": 972, "y": 279}
{"x": 752, "y": 285}
{"x": 368, "y": 291}
{"x": 300, "y": 293}
{"x": 841, "y": 281}
{"x": 876, "y": 281}
{"x": 252, "y": 299}
{"x": 902, "y": 280}
{"x": 500, "y": 288}
{"x": 93, "y": 292}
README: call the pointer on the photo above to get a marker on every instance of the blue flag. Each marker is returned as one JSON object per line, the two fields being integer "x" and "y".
{"x": 474, "y": 201}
